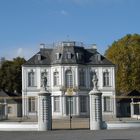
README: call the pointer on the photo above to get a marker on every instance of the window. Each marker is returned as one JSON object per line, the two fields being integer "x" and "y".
{"x": 56, "y": 104}
{"x": 57, "y": 56}
{"x": 44, "y": 74}
{"x": 31, "y": 102}
{"x": 106, "y": 78}
{"x": 69, "y": 79}
{"x": 79, "y": 56}
{"x": 56, "y": 78}
{"x": 31, "y": 79}
{"x": 82, "y": 78}
{"x": 91, "y": 78}
{"x": 107, "y": 104}
{"x": 9, "y": 109}
{"x": 83, "y": 104}
{"x": 68, "y": 55}
{"x": 98, "y": 57}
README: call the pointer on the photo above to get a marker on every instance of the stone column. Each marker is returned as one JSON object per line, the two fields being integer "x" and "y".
{"x": 132, "y": 109}
{"x": 95, "y": 106}
{"x": 5, "y": 109}
{"x": 95, "y": 110}
{"x": 44, "y": 111}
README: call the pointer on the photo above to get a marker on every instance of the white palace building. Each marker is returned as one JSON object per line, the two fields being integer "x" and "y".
{"x": 68, "y": 67}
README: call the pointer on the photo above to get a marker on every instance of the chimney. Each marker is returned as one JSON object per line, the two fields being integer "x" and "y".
{"x": 42, "y": 46}
{"x": 94, "y": 46}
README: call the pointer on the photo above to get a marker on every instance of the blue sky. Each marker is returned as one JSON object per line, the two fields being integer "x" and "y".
{"x": 24, "y": 24}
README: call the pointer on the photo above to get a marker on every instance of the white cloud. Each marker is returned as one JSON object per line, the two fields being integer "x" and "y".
{"x": 20, "y": 52}
{"x": 25, "y": 51}
{"x": 63, "y": 12}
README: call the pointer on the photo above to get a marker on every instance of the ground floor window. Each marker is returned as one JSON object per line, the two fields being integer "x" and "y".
{"x": 31, "y": 104}
{"x": 107, "y": 104}
{"x": 136, "y": 109}
{"x": 69, "y": 105}
{"x": 56, "y": 104}
{"x": 9, "y": 109}
{"x": 83, "y": 104}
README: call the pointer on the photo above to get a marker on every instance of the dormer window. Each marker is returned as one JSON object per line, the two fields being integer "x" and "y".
{"x": 57, "y": 56}
{"x": 38, "y": 56}
{"x": 69, "y": 55}
{"x": 98, "y": 56}
{"x": 79, "y": 56}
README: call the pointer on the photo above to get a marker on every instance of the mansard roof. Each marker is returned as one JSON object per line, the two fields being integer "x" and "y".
{"x": 68, "y": 54}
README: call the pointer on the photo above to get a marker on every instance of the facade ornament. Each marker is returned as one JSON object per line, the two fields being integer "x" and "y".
{"x": 95, "y": 81}
{"x": 44, "y": 82}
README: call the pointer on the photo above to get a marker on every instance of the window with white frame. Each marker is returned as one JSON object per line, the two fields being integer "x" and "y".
{"x": 57, "y": 56}
{"x": 31, "y": 78}
{"x": 106, "y": 78}
{"x": 31, "y": 104}
{"x": 69, "y": 79}
{"x": 83, "y": 104}
{"x": 82, "y": 78}
{"x": 107, "y": 104}
{"x": 44, "y": 74}
{"x": 69, "y": 55}
{"x": 56, "y": 104}
{"x": 56, "y": 78}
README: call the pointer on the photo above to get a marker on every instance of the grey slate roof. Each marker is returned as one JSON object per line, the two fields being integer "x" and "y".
{"x": 10, "y": 98}
{"x": 79, "y": 55}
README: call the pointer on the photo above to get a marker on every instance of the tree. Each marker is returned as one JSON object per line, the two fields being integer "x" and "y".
{"x": 125, "y": 53}
{"x": 11, "y": 75}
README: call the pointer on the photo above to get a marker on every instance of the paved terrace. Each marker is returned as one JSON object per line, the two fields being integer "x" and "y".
{"x": 28, "y": 124}
{"x": 131, "y": 134}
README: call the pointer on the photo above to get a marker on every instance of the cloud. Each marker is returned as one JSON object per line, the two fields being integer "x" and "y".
{"x": 20, "y": 52}
{"x": 63, "y": 12}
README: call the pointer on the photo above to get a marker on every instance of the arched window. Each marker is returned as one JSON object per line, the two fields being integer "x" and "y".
{"x": 82, "y": 78}
{"x": 56, "y": 78}
{"x": 106, "y": 78}
{"x": 69, "y": 79}
{"x": 31, "y": 78}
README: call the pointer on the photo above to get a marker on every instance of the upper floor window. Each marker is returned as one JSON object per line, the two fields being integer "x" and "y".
{"x": 106, "y": 78}
{"x": 91, "y": 77}
{"x": 82, "y": 78}
{"x": 69, "y": 79}
{"x": 56, "y": 78}
{"x": 31, "y": 78}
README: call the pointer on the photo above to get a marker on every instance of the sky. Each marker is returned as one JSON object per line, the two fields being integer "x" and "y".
{"x": 24, "y": 24}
